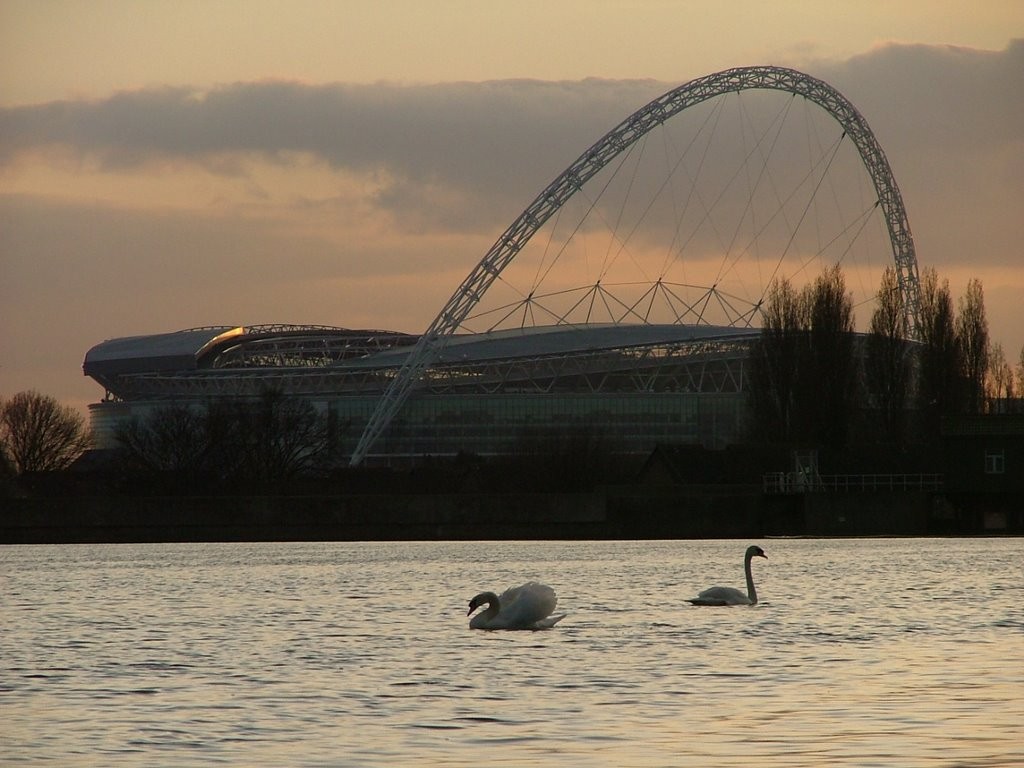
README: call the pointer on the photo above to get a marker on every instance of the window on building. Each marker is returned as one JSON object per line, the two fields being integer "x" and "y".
{"x": 995, "y": 462}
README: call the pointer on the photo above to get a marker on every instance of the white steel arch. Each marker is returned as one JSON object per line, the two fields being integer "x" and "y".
{"x": 617, "y": 140}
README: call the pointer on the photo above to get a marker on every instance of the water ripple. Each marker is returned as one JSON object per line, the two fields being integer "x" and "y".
{"x": 862, "y": 652}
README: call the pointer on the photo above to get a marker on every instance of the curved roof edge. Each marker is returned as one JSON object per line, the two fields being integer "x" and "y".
{"x": 175, "y": 351}
{"x": 183, "y": 350}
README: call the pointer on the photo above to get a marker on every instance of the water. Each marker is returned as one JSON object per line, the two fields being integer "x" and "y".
{"x": 862, "y": 653}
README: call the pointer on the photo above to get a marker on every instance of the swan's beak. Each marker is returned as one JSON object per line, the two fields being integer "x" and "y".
{"x": 762, "y": 554}
{"x": 472, "y": 607}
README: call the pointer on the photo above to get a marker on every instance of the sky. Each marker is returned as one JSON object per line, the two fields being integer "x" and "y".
{"x": 168, "y": 165}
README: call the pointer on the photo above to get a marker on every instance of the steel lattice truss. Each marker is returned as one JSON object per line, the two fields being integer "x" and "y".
{"x": 706, "y": 366}
{"x": 616, "y": 141}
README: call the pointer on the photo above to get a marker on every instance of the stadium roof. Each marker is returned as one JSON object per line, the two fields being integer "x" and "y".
{"x": 175, "y": 351}
{"x": 574, "y": 339}
{"x": 227, "y": 351}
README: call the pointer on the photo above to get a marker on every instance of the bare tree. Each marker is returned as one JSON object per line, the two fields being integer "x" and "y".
{"x": 272, "y": 439}
{"x": 888, "y": 363}
{"x": 973, "y": 341}
{"x": 39, "y": 434}
{"x": 281, "y": 438}
{"x": 7, "y": 471}
{"x": 999, "y": 384}
{"x": 1020, "y": 371}
{"x": 173, "y": 441}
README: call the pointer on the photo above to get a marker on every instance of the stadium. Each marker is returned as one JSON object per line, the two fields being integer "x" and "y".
{"x": 647, "y": 344}
{"x": 483, "y": 393}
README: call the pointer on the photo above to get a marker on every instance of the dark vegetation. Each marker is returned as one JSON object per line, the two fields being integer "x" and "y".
{"x": 38, "y": 434}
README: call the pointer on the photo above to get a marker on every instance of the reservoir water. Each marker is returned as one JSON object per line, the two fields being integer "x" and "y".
{"x": 870, "y": 652}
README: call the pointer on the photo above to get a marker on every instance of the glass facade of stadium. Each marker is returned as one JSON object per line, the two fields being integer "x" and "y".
{"x": 631, "y": 387}
{"x": 503, "y": 424}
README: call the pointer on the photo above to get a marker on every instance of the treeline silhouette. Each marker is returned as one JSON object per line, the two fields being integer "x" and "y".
{"x": 815, "y": 382}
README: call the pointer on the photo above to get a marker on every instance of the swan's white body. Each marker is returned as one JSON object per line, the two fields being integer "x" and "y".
{"x": 525, "y": 607}
{"x": 731, "y": 595}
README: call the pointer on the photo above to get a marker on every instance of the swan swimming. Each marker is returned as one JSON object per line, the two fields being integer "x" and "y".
{"x": 528, "y": 606}
{"x": 731, "y": 595}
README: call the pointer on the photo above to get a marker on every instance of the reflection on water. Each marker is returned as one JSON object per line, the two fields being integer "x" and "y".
{"x": 862, "y": 652}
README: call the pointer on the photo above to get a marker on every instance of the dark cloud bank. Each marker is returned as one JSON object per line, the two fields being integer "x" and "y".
{"x": 950, "y": 120}
{"x": 506, "y": 139}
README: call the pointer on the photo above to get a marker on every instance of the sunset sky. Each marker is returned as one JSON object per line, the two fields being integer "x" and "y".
{"x": 166, "y": 165}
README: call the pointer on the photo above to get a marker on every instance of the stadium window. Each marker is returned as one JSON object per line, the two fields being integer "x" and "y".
{"x": 995, "y": 462}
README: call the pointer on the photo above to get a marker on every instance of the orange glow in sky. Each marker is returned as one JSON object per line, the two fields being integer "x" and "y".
{"x": 166, "y": 165}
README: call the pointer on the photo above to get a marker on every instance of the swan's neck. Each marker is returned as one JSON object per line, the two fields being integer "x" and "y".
{"x": 493, "y": 606}
{"x": 751, "y": 592}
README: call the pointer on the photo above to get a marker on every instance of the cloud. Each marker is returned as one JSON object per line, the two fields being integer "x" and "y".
{"x": 457, "y": 136}
{"x": 937, "y": 98}
{"x": 366, "y": 205}
{"x": 470, "y": 156}
{"x": 951, "y": 121}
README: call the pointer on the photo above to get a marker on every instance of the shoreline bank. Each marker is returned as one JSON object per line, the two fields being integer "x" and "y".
{"x": 626, "y": 513}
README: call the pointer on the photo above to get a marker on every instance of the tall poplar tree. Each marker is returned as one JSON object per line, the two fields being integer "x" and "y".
{"x": 829, "y": 375}
{"x": 940, "y": 388}
{"x": 804, "y": 374}
{"x": 774, "y": 364}
{"x": 973, "y": 341}
{"x": 888, "y": 363}
{"x": 999, "y": 384}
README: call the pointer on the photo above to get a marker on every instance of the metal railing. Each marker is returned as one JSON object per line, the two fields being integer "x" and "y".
{"x": 798, "y": 482}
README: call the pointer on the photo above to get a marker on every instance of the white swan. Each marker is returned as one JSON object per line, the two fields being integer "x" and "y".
{"x": 731, "y": 595}
{"x": 525, "y": 607}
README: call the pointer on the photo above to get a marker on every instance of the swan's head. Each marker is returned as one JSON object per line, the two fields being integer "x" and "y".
{"x": 484, "y": 598}
{"x": 755, "y": 551}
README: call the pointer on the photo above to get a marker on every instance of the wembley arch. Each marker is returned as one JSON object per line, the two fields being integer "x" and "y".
{"x": 598, "y": 156}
